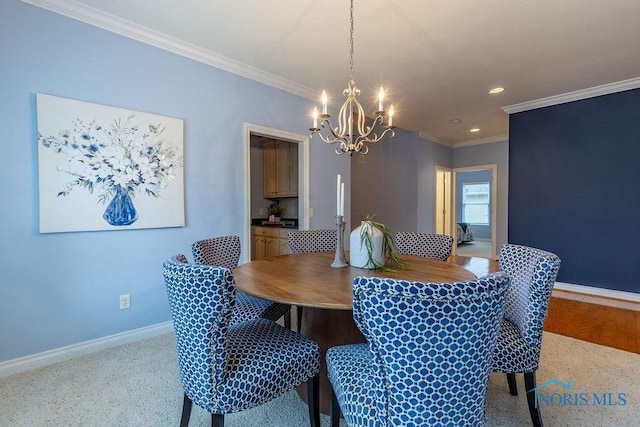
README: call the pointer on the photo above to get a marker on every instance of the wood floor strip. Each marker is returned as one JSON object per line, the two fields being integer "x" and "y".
{"x": 600, "y": 320}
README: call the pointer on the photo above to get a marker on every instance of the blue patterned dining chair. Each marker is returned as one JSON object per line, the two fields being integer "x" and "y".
{"x": 427, "y": 356}
{"x": 304, "y": 241}
{"x": 224, "y": 367}
{"x": 533, "y": 273}
{"x": 224, "y": 252}
{"x": 436, "y": 246}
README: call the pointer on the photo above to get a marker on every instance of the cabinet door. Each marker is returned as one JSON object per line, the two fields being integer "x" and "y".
{"x": 284, "y": 247}
{"x": 293, "y": 169}
{"x": 272, "y": 247}
{"x": 269, "y": 165}
{"x": 259, "y": 248}
{"x": 282, "y": 168}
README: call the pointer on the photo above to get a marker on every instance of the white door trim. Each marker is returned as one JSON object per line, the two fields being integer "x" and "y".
{"x": 494, "y": 200}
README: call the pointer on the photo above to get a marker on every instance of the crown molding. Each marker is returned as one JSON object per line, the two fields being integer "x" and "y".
{"x": 577, "y": 95}
{"x": 112, "y": 23}
{"x": 430, "y": 138}
{"x": 487, "y": 140}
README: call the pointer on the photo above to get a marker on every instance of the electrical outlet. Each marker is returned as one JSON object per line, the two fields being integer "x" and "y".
{"x": 260, "y": 211}
{"x": 310, "y": 212}
{"x": 125, "y": 301}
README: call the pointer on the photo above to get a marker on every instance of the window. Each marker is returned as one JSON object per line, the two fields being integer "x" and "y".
{"x": 476, "y": 198}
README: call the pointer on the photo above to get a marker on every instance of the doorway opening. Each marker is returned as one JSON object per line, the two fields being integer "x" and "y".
{"x": 470, "y": 199}
{"x": 251, "y": 132}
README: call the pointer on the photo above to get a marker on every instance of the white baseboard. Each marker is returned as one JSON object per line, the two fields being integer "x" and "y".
{"x": 590, "y": 290}
{"x": 50, "y": 357}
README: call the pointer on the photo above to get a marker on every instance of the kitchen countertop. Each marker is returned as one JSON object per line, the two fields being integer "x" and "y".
{"x": 291, "y": 223}
{"x": 275, "y": 225}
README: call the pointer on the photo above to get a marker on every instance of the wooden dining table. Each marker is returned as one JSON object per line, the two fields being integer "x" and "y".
{"x": 325, "y": 292}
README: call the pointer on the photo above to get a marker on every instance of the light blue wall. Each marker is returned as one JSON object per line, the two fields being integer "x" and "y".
{"x": 396, "y": 181}
{"x": 487, "y": 154}
{"x": 430, "y": 155}
{"x": 62, "y": 289}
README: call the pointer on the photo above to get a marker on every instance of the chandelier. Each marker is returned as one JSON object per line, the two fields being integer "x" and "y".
{"x": 352, "y": 134}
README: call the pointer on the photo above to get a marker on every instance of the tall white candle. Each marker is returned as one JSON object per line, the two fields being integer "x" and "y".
{"x": 391, "y": 112}
{"x": 315, "y": 118}
{"x": 338, "y": 196}
{"x": 341, "y": 199}
{"x": 381, "y": 99}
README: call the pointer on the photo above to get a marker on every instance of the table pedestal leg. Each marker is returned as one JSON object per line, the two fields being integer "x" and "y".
{"x": 328, "y": 328}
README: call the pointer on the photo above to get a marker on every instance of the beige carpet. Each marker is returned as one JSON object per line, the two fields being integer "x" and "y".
{"x": 478, "y": 248}
{"x": 137, "y": 385}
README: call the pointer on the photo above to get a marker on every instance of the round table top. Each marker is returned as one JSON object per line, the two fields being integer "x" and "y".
{"x": 308, "y": 280}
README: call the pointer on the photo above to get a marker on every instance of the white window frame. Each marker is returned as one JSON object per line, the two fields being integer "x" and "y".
{"x": 487, "y": 203}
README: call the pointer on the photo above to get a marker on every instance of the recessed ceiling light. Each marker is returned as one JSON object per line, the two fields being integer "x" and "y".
{"x": 474, "y": 130}
{"x": 455, "y": 121}
{"x": 496, "y": 90}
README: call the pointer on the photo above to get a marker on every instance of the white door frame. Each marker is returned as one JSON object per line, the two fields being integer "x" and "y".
{"x": 303, "y": 178}
{"x": 494, "y": 198}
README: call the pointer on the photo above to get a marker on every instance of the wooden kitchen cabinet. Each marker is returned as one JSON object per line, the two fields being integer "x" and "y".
{"x": 269, "y": 242}
{"x": 280, "y": 168}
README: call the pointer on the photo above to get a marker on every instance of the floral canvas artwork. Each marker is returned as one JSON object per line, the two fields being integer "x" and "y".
{"x": 107, "y": 168}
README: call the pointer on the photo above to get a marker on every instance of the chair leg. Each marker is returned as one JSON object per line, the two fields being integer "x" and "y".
{"x": 335, "y": 410}
{"x": 287, "y": 319}
{"x": 299, "y": 318}
{"x": 217, "y": 420}
{"x": 530, "y": 385}
{"x": 186, "y": 411}
{"x": 513, "y": 386}
{"x": 313, "y": 400}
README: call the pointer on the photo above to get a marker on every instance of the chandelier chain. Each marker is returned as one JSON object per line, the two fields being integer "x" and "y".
{"x": 351, "y": 44}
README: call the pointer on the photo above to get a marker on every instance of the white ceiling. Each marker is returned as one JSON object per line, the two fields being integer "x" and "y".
{"x": 437, "y": 59}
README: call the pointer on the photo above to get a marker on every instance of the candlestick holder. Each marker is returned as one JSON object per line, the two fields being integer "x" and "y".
{"x": 339, "y": 260}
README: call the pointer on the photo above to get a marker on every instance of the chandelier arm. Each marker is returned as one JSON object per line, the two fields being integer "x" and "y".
{"x": 361, "y": 119}
{"x": 341, "y": 149}
{"x": 364, "y": 139}
{"x": 343, "y": 118}
{"x": 330, "y": 139}
{"x": 364, "y": 136}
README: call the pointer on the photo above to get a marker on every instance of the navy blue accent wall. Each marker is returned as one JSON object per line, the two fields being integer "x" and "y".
{"x": 574, "y": 187}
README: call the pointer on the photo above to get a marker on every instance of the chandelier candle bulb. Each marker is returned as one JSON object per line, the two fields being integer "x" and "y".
{"x": 315, "y": 118}
{"x": 391, "y": 111}
{"x": 381, "y": 99}
{"x": 325, "y": 100}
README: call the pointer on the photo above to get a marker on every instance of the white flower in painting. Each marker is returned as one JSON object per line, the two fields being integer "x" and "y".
{"x": 124, "y": 155}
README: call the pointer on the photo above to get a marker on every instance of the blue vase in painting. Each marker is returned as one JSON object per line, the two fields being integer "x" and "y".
{"x": 120, "y": 210}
